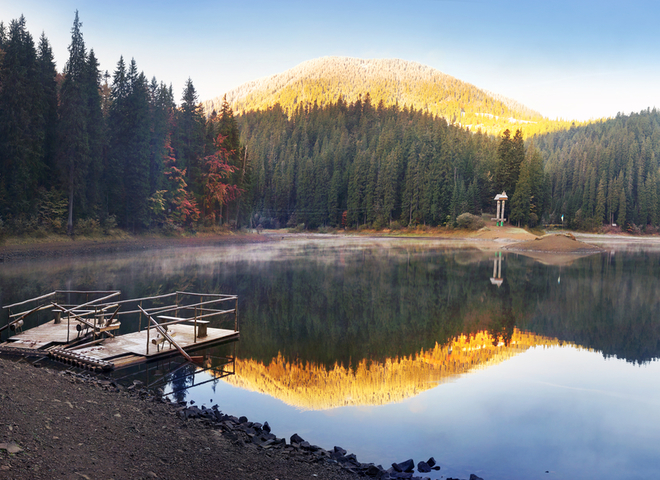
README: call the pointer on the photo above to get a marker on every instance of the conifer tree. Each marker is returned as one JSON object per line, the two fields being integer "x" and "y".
{"x": 22, "y": 122}
{"x": 96, "y": 131}
{"x": 74, "y": 149}
{"x": 118, "y": 135}
{"x": 47, "y": 79}
{"x": 136, "y": 166}
{"x": 188, "y": 141}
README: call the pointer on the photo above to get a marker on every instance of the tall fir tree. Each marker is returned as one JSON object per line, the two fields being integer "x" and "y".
{"x": 74, "y": 148}
{"x": 47, "y": 79}
{"x": 188, "y": 138}
{"x": 118, "y": 137}
{"x": 137, "y": 162}
{"x": 22, "y": 122}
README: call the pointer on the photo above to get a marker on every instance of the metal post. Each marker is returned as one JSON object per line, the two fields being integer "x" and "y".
{"x": 236, "y": 316}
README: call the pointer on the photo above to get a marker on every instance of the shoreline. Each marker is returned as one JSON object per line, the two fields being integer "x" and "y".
{"x": 87, "y": 426}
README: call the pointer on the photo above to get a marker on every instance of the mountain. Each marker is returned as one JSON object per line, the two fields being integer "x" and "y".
{"x": 391, "y": 81}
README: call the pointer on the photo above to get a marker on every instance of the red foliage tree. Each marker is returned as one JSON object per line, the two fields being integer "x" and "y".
{"x": 217, "y": 191}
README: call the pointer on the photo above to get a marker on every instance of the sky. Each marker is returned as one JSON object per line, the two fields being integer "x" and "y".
{"x": 575, "y": 59}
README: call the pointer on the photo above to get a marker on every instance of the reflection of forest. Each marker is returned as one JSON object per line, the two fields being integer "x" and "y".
{"x": 310, "y": 386}
{"x": 328, "y": 303}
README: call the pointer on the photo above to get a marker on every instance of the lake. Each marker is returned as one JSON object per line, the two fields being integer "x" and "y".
{"x": 492, "y": 362}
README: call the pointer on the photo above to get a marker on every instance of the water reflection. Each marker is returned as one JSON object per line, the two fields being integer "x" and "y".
{"x": 390, "y": 346}
{"x": 328, "y": 301}
{"x": 310, "y": 386}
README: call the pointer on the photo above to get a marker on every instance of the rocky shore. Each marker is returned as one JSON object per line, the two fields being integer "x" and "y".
{"x": 70, "y": 425}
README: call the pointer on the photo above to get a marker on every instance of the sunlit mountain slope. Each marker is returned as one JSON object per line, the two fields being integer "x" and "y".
{"x": 390, "y": 81}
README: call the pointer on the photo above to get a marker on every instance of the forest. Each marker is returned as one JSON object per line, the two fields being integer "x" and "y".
{"x": 84, "y": 151}
{"x": 390, "y": 81}
{"x": 605, "y": 173}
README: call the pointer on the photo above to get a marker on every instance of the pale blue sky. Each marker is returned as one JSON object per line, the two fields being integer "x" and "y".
{"x": 571, "y": 59}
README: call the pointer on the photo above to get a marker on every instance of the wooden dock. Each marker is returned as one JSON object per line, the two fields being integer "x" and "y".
{"x": 83, "y": 335}
{"x": 131, "y": 348}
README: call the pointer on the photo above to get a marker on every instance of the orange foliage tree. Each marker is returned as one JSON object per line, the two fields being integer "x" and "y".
{"x": 217, "y": 190}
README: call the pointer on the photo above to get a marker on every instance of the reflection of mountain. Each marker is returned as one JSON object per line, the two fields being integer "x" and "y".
{"x": 310, "y": 386}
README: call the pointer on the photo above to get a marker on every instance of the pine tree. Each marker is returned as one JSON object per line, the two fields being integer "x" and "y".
{"x": 22, "y": 121}
{"x": 188, "y": 140}
{"x": 47, "y": 79}
{"x": 137, "y": 163}
{"x": 74, "y": 149}
{"x": 118, "y": 137}
{"x": 96, "y": 131}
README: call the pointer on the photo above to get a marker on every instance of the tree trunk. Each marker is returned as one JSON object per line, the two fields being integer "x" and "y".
{"x": 69, "y": 225}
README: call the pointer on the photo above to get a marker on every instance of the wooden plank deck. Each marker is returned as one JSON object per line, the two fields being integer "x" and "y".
{"x": 47, "y": 334}
{"x": 135, "y": 344}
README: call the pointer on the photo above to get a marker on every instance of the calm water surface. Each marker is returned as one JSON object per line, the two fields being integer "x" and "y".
{"x": 495, "y": 364}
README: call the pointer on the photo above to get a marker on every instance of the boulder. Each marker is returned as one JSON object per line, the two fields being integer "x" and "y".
{"x": 423, "y": 467}
{"x": 407, "y": 466}
{"x": 295, "y": 438}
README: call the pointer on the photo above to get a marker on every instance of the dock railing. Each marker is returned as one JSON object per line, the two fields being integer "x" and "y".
{"x": 198, "y": 309}
{"x": 95, "y": 314}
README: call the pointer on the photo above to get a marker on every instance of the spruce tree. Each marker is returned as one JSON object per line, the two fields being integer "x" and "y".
{"x": 118, "y": 137}
{"x": 188, "y": 140}
{"x": 74, "y": 149}
{"x": 22, "y": 121}
{"x": 136, "y": 165}
{"x": 47, "y": 80}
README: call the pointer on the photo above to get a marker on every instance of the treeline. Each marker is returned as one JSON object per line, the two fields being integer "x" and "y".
{"x": 606, "y": 173}
{"x": 354, "y": 165}
{"x": 92, "y": 151}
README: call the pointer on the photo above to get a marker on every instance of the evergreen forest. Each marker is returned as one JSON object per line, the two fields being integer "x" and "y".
{"x": 87, "y": 151}
{"x": 83, "y": 151}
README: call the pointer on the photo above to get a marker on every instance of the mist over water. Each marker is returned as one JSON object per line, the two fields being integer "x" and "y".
{"x": 415, "y": 348}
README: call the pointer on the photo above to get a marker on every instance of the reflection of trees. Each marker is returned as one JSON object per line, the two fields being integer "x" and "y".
{"x": 503, "y": 318}
{"x": 608, "y": 303}
{"x": 180, "y": 379}
{"x": 328, "y": 306}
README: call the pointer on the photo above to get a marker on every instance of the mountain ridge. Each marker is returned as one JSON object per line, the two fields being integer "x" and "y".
{"x": 326, "y": 80}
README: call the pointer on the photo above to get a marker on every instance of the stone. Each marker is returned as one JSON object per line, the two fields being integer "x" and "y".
{"x": 407, "y": 466}
{"x": 423, "y": 467}
{"x": 295, "y": 438}
{"x": 372, "y": 471}
{"x": 339, "y": 450}
{"x": 11, "y": 447}
{"x": 474, "y": 477}
{"x": 431, "y": 461}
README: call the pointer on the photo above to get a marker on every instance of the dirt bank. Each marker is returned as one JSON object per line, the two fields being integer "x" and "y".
{"x": 559, "y": 243}
{"x": 558, "y": 249}
{"x": 64, "y": 426}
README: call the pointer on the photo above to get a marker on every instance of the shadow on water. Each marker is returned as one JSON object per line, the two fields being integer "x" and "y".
{"x": 174, "y": 376}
